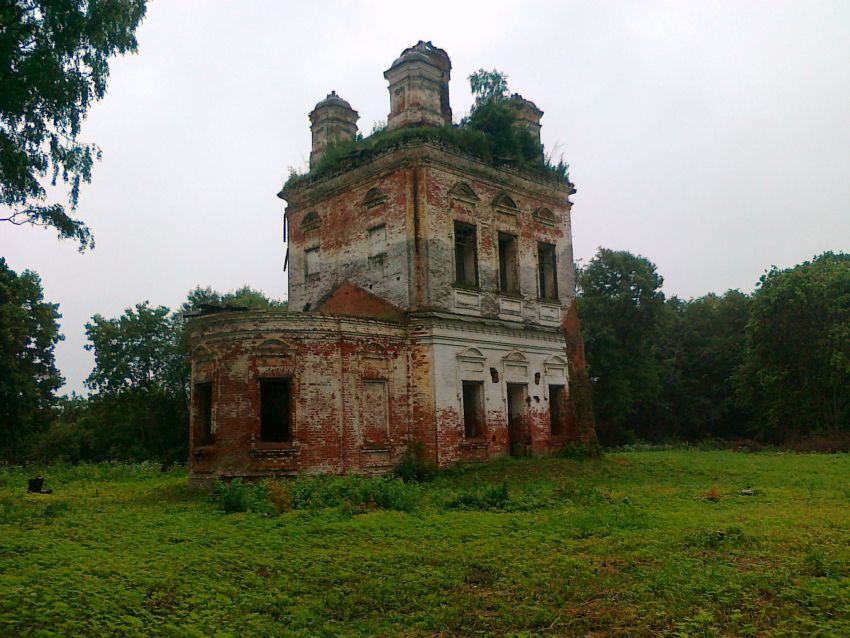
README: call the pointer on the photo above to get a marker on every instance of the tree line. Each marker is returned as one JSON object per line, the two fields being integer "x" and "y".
{"x": 138, "y": 406}
{"x": 772, "y": 366}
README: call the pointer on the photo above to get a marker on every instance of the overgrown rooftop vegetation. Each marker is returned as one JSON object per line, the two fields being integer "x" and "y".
{"x": 490, "y": 133}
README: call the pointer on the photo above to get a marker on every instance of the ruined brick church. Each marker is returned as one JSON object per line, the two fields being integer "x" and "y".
{"x": 431, "y": 299}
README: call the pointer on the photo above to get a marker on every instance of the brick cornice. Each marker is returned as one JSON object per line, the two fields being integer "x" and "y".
{"x": 428, "y": 153}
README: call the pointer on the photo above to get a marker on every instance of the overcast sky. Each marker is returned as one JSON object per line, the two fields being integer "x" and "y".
{"x": 711, "y": 137}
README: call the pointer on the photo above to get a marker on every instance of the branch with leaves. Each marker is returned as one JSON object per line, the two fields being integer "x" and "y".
{"x": 54, "y": 63}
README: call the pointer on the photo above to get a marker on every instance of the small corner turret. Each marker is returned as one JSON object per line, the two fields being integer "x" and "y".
{"x": 528, "y": 115}
{"x": 332, "y": 120}
{"x": 419, "y": 87}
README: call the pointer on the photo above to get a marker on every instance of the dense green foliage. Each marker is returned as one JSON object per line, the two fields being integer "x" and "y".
{"x": 505, "y": 141}
{"x": 674, "y": 543}
{"x": 29, "y": 331}
{"x": 140, "y": 385}
{"x": 139, "y": 405}
{"x": 493, "y": 116}
{"x": 54, "y": 63}
{"x": 136, "y": 351}
{"x": 623, "y": 317}
{"x": 488, "y": 87}
{"x": 774, "y": 366}
{"x": 244, "y": 297}
{"x": 707, "y": 340}
{"x": 796, "y": 371}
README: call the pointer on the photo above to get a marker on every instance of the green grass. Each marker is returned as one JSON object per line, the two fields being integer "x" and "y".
{"x": 626, "y": 545}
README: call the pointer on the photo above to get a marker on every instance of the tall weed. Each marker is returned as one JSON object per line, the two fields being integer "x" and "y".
{"x": 481, "y": 497}
{"x": 280, "y": 495}
{"x": 239, "y": 496}
{"x": 581, "y": 451}
{"x": 414, "y": 466}
{"x": 389, "y": 493}
{"x": 580, "y": 494}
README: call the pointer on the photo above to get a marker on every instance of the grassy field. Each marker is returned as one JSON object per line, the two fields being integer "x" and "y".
{"x": 633, "y": 544}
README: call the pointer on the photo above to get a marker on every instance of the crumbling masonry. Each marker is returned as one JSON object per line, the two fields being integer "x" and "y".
{"x": 431, "y": 297}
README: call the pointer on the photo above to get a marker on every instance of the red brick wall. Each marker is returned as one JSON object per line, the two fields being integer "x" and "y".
{"x": 329, "y": 357}
{"x": 328, "y": 360}
{"x": 343, "y": 238}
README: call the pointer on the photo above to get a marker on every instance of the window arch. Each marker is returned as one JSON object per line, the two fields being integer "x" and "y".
{"x": 471, "y": 353}
{"x": 545, "y": 216}
{"x": 463, "y": 192}
{"x": 374, "y": 197}
{"x": 515, "y": 356}
{"x": 505, "y": 204}
{"x": 311, "y": 221}
{"x": 274, "y": 347}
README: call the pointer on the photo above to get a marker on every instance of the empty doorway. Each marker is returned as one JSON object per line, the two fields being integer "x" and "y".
{"x": 275, "y": 412}
{"x": 517, "y": 439}
{"x": 473, "y": 409}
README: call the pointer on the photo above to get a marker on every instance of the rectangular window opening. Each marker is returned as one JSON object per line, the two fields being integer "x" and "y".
{"x": 508, "y": 279}
{"x": 557, "y": 409}
{"x": 546, "y": 269}
{"x": 377, "y": 247}
{"x": 473, "y": 409}
{"x": 275, "y": 410}
{"x": 203, "y": 414}
{"x": 466, "y": 255}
